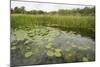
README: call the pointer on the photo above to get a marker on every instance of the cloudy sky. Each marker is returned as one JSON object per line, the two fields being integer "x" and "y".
{"x": 43, "y": 6}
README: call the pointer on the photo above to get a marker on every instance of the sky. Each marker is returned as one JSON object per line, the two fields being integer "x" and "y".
{"x": 87, "y": 2}
{"x": 43, "y": 6}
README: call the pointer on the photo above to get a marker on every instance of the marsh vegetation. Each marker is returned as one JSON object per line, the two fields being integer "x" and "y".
{"x": 39, "y": 37}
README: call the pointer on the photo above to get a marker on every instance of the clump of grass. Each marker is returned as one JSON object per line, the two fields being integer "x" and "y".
{"x": 52, "y": 20}
{"x": 84, "y": 25}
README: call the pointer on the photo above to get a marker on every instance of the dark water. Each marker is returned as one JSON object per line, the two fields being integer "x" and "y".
{"x": 88, "y": 32}
{"x": 80, "y": 47}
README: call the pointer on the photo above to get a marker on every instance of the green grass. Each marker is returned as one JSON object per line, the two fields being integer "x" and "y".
{"x": 84, "y": 25}
{"x": 52, "y": 20}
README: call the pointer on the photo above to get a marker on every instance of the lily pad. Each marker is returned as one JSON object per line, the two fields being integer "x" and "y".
{"x": 13, "y": 47}
{"x": 57, "y": 54}
{"x": 28, "y": 54}
{"x": 57, "y": 50}
{"x": 49, "y": 45}
{"x": 74, "y": 46}
{"x": 28, "y": 47}
{"x": 50, "y": 53}
{"x": 85, "y": 59}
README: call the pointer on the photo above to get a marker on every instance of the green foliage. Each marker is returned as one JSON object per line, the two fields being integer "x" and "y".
{"x": 28, "y": 54}
{"x": 53, "y": 52}
{"x": 58, "y": 50}
{"x": 49, "y": 46}
{"x": 79, "y": 24}
{"x": 69, "y": 56}
{"x": 50, "y": 53}
{"x": 28, "y": 48}
{"x": 85, "y": 59}
{"x": 85, "y": 11}
{"x": 13, "y": 47}
{"x": 57, "y": 54}
{"x": 74, "y": 46}
{"x": 18, "y": 10}
{"x": 49, "y": 20}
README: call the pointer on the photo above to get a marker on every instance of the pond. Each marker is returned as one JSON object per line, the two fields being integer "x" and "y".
{"x": 46, "y": 45}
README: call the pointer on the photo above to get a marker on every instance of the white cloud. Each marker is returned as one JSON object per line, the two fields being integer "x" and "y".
{"x": 43, "y": 6}
{"x": 87, "y": 2}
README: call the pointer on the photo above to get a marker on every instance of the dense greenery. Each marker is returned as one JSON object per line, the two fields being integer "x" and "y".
{"x": 78, "y": 11}
{"x": 62, "y": 36}
{"x": 80, "y": 24}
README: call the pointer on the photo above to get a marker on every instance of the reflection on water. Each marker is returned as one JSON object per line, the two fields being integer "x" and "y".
{"x": 89, "y": 32}
{"x": 39, "y": 46}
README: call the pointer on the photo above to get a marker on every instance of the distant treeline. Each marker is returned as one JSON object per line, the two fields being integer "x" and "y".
{"x": 88, "y": 11}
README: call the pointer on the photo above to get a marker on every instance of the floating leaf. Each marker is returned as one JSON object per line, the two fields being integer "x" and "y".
{"x": 13, "y": 47}
{"x": 73, "y": 45}
{"x": 20, "y": 35}
{"x": 28, "y": 54}
{"x": 30, "y": 35}
{"x": 48, "y": 46}
{"x": 28, "y": 47}
{"x": 50, "y": 39}
{"x": 13, "y": 43}
{"x": 50, "y": 53}
{"x": 52, "y": 48}
{"x": 82, "y": 48}
{"x": 57, "y": 54}
{"x": 70, "y": 54}
{"x": 50, "y": 43}
{"x": 58, "y": 50}
{"x": 68, "y": 49}
{"x": 85, "y": 59}
{"x": 30, "y": 32}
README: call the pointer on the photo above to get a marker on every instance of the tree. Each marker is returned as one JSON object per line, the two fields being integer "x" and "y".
{"x": 16, "y": 10}
{"x": 87, "y": 11}
{"x": 22, "y": 9}
{"x": 11, "y": 10}
{"x": 40, "y": 12}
